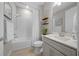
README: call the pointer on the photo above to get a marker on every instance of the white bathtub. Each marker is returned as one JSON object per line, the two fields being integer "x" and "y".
{"x": 20, "y": 43}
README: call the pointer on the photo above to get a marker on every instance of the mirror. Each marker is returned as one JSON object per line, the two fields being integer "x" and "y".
{"x": 70, "y": 19}
{"x": 64, "y": 18}
{"x": 58, "y": 21}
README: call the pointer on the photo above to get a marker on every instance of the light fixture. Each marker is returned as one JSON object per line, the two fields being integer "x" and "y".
{"x": 57, "y": 3}
{"x": 27, "y": 6}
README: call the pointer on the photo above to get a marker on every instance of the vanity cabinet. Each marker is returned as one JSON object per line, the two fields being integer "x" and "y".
{"x": 50, "y": 51}
{"x": 53, "y": 48}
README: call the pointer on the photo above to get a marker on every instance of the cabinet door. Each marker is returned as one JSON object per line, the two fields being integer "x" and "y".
{"x": 54, "y": 52}
{"x": 45, "y": 49}
{"x": 50, "y": 51}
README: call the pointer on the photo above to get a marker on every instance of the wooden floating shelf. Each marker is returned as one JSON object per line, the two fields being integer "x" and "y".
{"x": 45, "y": 18}
{"x": 45, "y": 23}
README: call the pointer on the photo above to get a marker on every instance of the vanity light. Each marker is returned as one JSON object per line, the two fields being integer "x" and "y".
{"x": 27, "y": 6}
{"x": 57, "y": 3}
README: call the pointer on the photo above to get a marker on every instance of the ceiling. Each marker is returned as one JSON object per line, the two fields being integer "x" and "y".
{"x": 31, "y": 4}
{"x": 63, "y": 6}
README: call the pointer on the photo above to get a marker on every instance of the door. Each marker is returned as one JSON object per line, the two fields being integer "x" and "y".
{"x": 1, "y": 28}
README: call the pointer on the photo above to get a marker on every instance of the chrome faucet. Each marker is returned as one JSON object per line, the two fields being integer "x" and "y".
{"x": 74, "y": 36}
{"x": 61, "y": 34}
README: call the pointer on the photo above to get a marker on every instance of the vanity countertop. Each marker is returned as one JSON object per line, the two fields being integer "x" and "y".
{"x": 69, "y": 42}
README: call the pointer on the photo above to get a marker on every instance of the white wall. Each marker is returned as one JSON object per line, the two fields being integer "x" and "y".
{"x": 36, "y": 26}
{"x": 1, "y": 28}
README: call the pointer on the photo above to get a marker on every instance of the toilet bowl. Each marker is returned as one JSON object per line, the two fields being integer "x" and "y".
{"x": 38, "y": 47}
{"x": 38, "y": 44}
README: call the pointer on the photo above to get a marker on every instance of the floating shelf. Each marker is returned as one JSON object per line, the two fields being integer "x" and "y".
{"x": 45, "y": 18}
{"x": 45, "y": 23}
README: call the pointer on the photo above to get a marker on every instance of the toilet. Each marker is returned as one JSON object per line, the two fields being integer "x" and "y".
{"x": 38, "y": 47}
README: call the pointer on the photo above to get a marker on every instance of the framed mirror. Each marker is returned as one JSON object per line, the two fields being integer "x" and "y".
{"x": 58, "y": 22}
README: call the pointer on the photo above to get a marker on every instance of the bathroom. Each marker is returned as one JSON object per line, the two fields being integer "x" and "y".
{"x": 39, "y": 28}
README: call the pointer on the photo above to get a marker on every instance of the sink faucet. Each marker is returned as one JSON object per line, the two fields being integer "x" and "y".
{"x": 74, "y": 36}
{"x": 61, "y": 34}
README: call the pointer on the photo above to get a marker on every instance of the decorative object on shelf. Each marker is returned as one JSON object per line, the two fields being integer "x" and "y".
{"x": 44, "y": 31}
{"x": 44, "y": 25}
{"x": 45, "y": 18}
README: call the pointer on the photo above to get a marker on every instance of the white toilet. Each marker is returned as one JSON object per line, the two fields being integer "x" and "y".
{"x": 38, "y": 47}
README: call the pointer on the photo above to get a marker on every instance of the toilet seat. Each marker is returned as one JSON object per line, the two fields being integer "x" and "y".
{"x": 38, "y": 44}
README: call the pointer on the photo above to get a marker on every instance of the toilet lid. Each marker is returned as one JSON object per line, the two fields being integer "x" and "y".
{"x": 38, "y": 44}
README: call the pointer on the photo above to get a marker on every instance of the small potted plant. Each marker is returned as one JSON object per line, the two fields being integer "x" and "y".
{"x": 44, "y": 31}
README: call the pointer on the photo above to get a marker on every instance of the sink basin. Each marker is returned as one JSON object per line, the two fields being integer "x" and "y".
{"x": 63, "y": 38}
{"x": 59, "y": 37}
{"x": 66, "y": 39}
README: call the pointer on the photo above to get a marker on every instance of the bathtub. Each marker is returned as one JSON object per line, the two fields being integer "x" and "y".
{"x": 20, "y": 43}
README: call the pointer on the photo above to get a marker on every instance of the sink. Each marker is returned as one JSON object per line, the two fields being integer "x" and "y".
{"x": 63, "y": 38}
{"x": 66, "y": 39}
{"x": 60, "y": 37}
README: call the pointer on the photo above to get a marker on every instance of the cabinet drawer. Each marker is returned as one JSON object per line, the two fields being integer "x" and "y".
{"x": 62, "y": 48}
